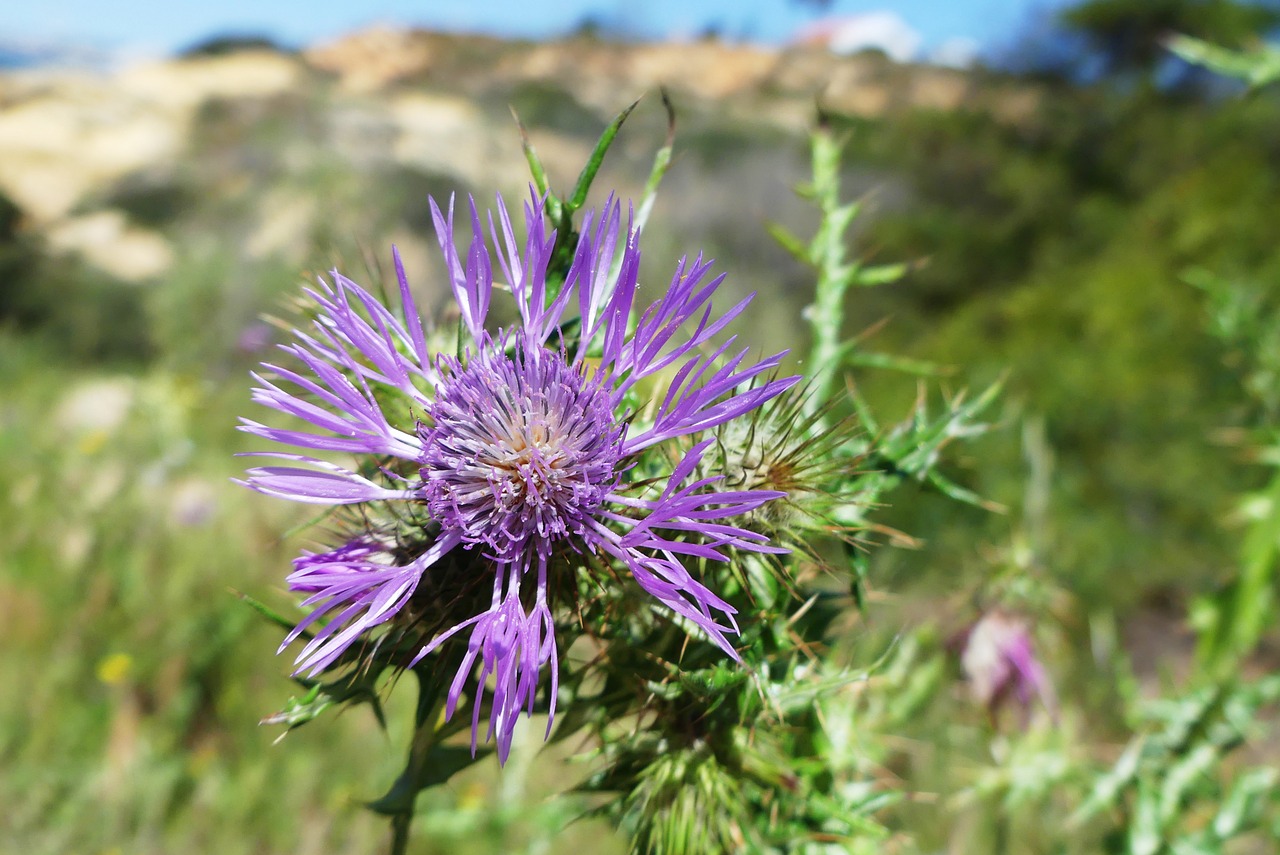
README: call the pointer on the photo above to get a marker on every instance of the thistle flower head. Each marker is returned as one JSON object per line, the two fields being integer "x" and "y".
{"x": 519, "y": 447}
{"x": 999, "y": 660}
{"x": 786, "y": 446}
{"x": 521, "y": 452}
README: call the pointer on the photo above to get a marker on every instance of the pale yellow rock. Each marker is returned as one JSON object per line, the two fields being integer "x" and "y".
{"x": 1015, "y": 106}
{"x": 185, "y": 84}
{"x": 106, "y": 240}
{"x": 57, "y": 147}
{"x": 706, "y": 70}
{"x": 63, "y": 137}
{"x": 372, "y": 58}
{"x": 938, "y": 89}
{"x": 284, "y": 226}
{"x": 867, "y": 100}
{"x": 66, "y": 137}
{"x": 446, "y": 134}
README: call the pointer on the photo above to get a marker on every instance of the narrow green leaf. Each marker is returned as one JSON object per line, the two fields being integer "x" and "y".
{"x": 300, "y": 711}
{"x": 1242, "y": 804}
{"x": 1179, "y": 778}
{"x": 1256, "y": 67}
{"x": 554, "y": 207}
{"x": 1145, "y": 837}
{"x": 269, "y": 613}
{"x": 904, "y": 364}
{"x": 1107, "y": 789}
{"x": 1235, "y": 620}
{"x": 579, "y": 196}
{"x": 661, "y": 162}
{"x": 788, "y": 240}
{"x": 881, "y": 274}
{"x": 964, "y": 495}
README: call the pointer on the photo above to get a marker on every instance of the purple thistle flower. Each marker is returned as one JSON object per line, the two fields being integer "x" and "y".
{"x": 519, "y": 449}
{"x": 999, "y": 660}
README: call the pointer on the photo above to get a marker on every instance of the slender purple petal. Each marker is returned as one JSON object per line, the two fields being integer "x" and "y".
{"x": 369, "y": 592}
{"x": 330, "y": 485}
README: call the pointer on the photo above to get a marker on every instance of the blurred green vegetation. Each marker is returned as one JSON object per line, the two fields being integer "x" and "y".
{"x": 1049, "y": 251}
{"x": 1053, "y": 252}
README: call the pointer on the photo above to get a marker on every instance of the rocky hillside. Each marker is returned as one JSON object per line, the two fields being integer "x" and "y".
{"x": 109, "y": 169}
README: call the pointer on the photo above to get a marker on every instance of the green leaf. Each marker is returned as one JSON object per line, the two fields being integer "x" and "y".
{"x": 881, "y": 274}
{"x": 1256, "y": 67}
{"x": 788, "y": 240}
{"x": 579, "y": 195}
{"x": 554, "y": 207}
{"x": 1108, "y": 788}
{"x": 1145, "y": 837}
{"x": 442, "y": 763}
{"x": 356, "y": 687}
{"x": 661, "y": 162}
{"x": 299, "y": 711}
{"x": 904, "y": 364}
{"x": 1243, "y": 804}
{"x": 1235, "y": 620}
{"x": 269, "y": 613}
{"x": 1179, "y": 778}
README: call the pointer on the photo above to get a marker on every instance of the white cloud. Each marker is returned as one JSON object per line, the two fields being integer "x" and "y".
{"x": 884, "y": 31}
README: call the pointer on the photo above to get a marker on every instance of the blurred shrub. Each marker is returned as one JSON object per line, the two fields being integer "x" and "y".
{"x": 229, "y": 43}
{"x": 1053, "y": 251}
{"x": 150, "y": 199}
{"x": 77, "y": 312}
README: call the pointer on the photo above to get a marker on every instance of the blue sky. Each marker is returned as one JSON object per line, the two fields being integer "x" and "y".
{"x": 150, "y": 26}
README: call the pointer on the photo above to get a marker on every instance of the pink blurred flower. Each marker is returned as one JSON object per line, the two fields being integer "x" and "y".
{"x": 998, "y": 658}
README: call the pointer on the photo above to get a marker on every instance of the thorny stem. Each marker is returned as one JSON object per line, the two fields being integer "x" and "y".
{"x": 827, "y": 312}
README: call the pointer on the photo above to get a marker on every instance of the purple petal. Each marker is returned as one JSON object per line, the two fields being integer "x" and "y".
{"x": 332, "y": 485}
{"x": 512, "y": 647}
{"x": 472, "y": 284}
{"x": 368, "y": 592}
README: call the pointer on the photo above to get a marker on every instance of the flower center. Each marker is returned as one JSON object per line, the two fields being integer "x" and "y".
{"x": 520, "y": 452}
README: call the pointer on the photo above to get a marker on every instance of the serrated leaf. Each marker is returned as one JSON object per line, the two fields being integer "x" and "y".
{"x": 1108, "y": 788}
{"x": 1243, "y": 802}
{"x": 1145, "y": 836}
{"x": 300, "y": 711}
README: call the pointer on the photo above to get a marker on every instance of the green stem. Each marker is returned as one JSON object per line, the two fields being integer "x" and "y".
{"x": 425, "y": 736}
{"x": 400, "y": 833}
{"x": 826, "y": 315}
